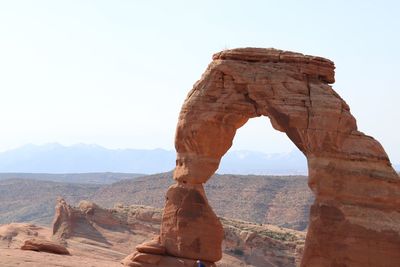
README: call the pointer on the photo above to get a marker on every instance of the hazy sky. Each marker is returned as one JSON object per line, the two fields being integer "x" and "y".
{"x": 115, "y": 73}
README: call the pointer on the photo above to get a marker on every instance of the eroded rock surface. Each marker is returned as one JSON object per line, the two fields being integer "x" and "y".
{"x": 355, "y": 218}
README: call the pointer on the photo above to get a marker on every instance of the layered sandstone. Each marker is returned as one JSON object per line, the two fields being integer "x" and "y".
{"x": 355, "y": 217}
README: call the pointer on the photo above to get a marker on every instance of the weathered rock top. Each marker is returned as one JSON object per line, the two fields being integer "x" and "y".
{"x": 311, "y": 65}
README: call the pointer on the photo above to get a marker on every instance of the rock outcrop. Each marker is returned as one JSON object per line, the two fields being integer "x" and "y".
{"x": 355, "y": 218}
{"x": 43, "y": 245}
{"x": 263, "y": 245}
{"x": 89, "y": 221}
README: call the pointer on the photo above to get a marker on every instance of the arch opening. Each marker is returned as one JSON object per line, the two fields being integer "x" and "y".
{"x": 262, "y": 187}
{"x": 259, "y": 149}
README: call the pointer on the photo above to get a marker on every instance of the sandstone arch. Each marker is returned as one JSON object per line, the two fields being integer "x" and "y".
{"x": 355, "y": 220}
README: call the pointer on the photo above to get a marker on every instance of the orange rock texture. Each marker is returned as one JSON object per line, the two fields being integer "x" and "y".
{"x": 355, "y": 219}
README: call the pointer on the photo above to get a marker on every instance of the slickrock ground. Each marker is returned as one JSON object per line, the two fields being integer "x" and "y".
{"x": 103, "y": 237}
{"x": 13, "y": 236}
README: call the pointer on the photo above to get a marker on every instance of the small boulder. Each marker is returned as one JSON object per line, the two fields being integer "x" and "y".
{"x": 44, "y": 246}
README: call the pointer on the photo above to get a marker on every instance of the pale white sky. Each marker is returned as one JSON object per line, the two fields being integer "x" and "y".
{"x": 115, "y": 73}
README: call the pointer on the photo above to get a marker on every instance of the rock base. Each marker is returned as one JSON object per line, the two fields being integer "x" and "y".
{"x": 153, "y": 254}
{"x": 138, "y": 259}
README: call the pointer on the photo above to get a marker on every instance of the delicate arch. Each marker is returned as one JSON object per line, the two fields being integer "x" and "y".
{"x": 349, "y": 172}
{"x": 355, "y": 219}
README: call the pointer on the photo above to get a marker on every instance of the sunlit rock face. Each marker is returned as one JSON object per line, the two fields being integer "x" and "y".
{"x": 355, "y": 219}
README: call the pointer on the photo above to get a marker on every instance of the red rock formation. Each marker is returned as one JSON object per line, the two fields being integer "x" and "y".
{"x": 63, "y": 219}
{"x": 89, "y": 221}
{"x": 44, "y": 246}
{"x": 356, "y": 214}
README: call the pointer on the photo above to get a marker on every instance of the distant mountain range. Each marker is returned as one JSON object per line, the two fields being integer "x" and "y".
{"x": 72, "y": 178}
{"x": 83, "y": 158}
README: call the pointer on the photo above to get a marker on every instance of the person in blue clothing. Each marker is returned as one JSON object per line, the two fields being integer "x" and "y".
{"x": 200, "y": 264}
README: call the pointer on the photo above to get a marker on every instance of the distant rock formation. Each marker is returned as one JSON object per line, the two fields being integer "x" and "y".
{"x": 88, "y": 220}
{"x": 355, "y": 218}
